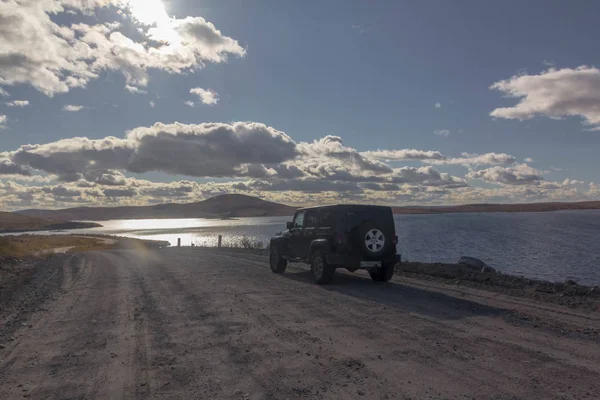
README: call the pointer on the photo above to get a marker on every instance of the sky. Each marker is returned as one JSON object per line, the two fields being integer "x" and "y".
{"x": 135, "y": 102}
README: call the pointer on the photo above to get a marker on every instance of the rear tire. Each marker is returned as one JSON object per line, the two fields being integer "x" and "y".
{"x": 277, "y": 263}
{"x": 383, "y": 274}
{"x": 322, "y": 272}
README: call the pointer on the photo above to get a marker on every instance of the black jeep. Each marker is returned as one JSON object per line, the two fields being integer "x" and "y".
{"x": 341, "y": 236}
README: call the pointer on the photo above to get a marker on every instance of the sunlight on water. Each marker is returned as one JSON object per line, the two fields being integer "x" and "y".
{"x": 191, "y": 231}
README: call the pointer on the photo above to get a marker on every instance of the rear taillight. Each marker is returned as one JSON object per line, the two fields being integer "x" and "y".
{"x": 396, "y": 239}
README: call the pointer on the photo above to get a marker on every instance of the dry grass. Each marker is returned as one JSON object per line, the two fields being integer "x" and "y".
{"x": 242, "y": 243}
{"x": 36, "y": 245}
{"x": 29, "y": 245}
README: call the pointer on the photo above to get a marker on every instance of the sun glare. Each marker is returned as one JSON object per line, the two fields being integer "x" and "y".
{"x": 148, "y": 12}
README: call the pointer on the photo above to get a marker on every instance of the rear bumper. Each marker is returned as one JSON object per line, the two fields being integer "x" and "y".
{"x": 353, "y": 262}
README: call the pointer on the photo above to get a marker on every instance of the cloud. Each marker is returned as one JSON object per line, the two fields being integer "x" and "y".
{"x": 555, "y": 93}
{"x": 438, "y": 105}
{"x": 442, "y": 132}
{"x": 528, "y": 159}
{"x": 204, "y": 150}
{"x": 120, "y": 192}
{"x": 190, "y": 104}
{"x": 467, "y": 159}
{"x": 18, "y": 103}
{"x": 572, "y": 182}
{"x": 62, "y": 191}
{"x": 111, "y": 178}
{"x": 259, "y": 160}
{"x": 211, "y": 149}
{"x": 405, "y": 154}
{"x": 3, "y": 92}
{"x": 55, "y": 58}
{"x": 427, "y": 176}
{"x": 152, "y": 104}
{"x": 74, "y": 158}
{"x": 72, "y": 108}
{"x": 521, "y": 174}
{"x": 2, "y": 121}
{"x": 209, "y": 97}
{"x": 8, "y": 167}
{"x": 270, "y": 158}
{"x": 135, "y": 90}
{"x": 435, "y": 157}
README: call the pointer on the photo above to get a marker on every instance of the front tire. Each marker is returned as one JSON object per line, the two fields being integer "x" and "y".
{"x": 277, "y": 263}
{"x": 383, "y": 274}
{"x": 322, "y": 272}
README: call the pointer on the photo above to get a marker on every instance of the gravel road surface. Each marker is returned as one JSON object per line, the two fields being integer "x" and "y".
{"x": 209, "y": 324}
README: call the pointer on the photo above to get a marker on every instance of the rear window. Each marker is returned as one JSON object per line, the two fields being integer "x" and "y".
{"x": 359, "y": 216}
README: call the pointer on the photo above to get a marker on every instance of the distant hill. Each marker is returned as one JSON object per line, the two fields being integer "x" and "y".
{"x": 14, "y": 222}
{"x": 223, "y": 206}
{"x": 531, "y": 207}
{"x": 237, "y": 205}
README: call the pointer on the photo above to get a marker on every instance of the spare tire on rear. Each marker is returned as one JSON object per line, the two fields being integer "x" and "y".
{"x": 372, "y": 240}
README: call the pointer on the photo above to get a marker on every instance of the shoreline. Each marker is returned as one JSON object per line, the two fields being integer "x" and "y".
{"x": 59, "y": 226}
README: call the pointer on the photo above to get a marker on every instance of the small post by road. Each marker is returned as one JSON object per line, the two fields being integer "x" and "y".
{"x": 219, "y": 243}
{"x": 178, "y": 242}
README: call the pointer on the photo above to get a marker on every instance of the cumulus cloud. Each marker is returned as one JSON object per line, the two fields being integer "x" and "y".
{"x": 438, "y": 105}
{"x": 72, "y": 108}
{"x": 330, "y": 153}
{"x": 212, "y": 149}
{"x": 555, "y": 93}
{"x": 111, "y": 178}
{"x": 74, "y": 158}
{"x": 467, "y": 159}
{"x": 568, "y": 181}
{"x": 189, "y": 103}
{"x": 258, "y": 160}
{"x": 442, "y": 132}
{"x": 204, "y": 150}
{"x": 404, "y": 155}
{"x": 62, "y": 191}
{"x": 135, "y": 90}
{"x": 17, "y": 103}
{"x": 120, "y": 192}
{"x": 436, "y": 157}
{"x": 209, "y": 97}
{"x": 520, "y": 174}
{"x": 152, "y": 104}
{"x": 55, "y": 58}
{"x": 2, "y": 121}
{"x": 8, "y": 167}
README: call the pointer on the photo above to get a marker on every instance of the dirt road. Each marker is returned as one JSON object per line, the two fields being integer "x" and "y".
{"x": 204, "y": 324}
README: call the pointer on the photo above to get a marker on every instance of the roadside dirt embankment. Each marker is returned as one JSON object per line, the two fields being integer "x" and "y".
{"x": 567, "y": 293}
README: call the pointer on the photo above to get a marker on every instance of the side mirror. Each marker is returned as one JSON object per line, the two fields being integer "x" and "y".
{"x": 289, "y": 225}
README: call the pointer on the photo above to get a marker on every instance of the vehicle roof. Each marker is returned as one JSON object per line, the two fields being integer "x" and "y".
{"x": 342, "y": 206}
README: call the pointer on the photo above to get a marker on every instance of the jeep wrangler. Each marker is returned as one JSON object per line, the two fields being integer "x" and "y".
{"x": 340, "y": 236}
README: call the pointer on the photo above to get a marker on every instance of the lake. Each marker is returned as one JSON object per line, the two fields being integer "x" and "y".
{"x": 550, "y": 245}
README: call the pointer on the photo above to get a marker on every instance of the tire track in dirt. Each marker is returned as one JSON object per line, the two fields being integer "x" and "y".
{"x": 441, "y": 330}
{"x": 79, "y": 347}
